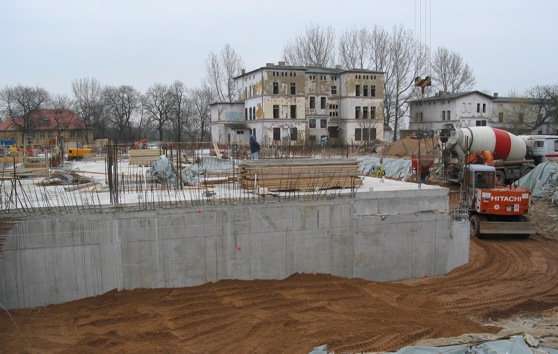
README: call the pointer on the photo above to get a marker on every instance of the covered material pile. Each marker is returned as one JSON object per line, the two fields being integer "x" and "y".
{"x": 543, "y": 181}
{"x": 300, "y": 174}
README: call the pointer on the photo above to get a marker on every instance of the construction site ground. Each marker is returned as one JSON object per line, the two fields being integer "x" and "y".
{"x": 509, "y": 286}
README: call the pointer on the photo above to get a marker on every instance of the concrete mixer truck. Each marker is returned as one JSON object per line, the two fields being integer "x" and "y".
{"x": 485, "y": 146}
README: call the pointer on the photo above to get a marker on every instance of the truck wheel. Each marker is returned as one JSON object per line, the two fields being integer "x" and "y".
{"x": 475, "y": 226}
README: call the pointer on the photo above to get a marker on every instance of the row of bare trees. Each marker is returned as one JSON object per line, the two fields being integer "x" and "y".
{"x": 395, "y": 52}
{"x": 164, "y": 112}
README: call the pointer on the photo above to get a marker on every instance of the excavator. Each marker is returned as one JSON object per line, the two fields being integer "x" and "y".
{"x": 493, "y": 209}
{"x": 139, "y": 144}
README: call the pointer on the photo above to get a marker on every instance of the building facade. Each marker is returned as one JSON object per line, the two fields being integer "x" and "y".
{"x": 282, "y": 104}
{"x": 46, "y": 127}
{"x": 474, "y": 108}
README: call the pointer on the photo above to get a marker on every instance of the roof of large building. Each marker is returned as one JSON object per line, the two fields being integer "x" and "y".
{"x": 310, "y": 69}
{"x": 46, "y": 119}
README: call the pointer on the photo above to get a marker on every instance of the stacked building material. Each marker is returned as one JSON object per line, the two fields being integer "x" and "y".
{"x": 300, "y": 174}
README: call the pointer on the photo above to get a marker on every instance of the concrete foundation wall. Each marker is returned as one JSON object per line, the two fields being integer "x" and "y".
{"x": 378, "y": 236}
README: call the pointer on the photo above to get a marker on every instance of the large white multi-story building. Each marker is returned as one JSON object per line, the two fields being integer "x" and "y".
{"x": 474, "y": 108}
{"x": 283, "y": 104}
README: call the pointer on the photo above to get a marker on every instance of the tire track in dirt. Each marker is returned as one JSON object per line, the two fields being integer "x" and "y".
{"x": 503, "y": 274}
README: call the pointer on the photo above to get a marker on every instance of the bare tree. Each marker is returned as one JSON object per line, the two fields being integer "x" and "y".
{"x": 201, "y": 99}
{"x": 221, "y": 69}
{"x": 23, "y": 101}
{"x": 121, "y": 103}
{"x": 407, "y": 60}
{"x": 158, "y": 104}
{"x": 355, "y": 49}
{"x": 88, "y": 104}
{"x": 543, "y": 105}
{"x": 450, "y": 72}
{"x": 181, "y": 113}
{"x": 315, "y": 47}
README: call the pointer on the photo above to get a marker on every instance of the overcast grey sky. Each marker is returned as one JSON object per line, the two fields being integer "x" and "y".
{"x": 511, "y": 45}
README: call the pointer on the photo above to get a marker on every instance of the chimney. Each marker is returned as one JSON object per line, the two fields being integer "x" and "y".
{"x": 495, "y": 94}
{"x": 281, "y": 63}
{"x": 269, "y": 64}
{"x": 243, "y": 71}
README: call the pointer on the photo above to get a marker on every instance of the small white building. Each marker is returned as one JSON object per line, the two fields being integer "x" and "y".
{"x": 283, "y": 104}
{"x": 463, "y": 109}
{"x": 474, "y": 108}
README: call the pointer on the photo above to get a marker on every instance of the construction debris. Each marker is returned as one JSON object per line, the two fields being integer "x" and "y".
{"x": 60, "y": 177}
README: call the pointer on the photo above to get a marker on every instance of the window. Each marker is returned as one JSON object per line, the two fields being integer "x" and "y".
{"x": 276, "y": 134}
{"x": 293, "y": 111}
{"x": 275, "y": 111}
{"x": 80, "y": 135}
{"x": 464, "y": 108}
{"x": 245, "y": 113}
{"x": 311, "y": 123}
{"x": 449, "y": 115}
{"x": 322, "y": 102}
{"x": 357, "y": 90}
{"x": 239, "y": 132}
{"x": 42, "y": 135}
{"x": 480, "y": 123}
{"x": 484, "y": 108}
{"x": 443, "y": 115}
{"x": 372, "y": 112}
{"x": 334, "y": 90}
{"x": 372, "y": 133}
{"x": 358, "y": 134}
{"x": 323, "y": 123}
{"x": 421, "y": 116}
{"x": 49, "y": 134}
{"x": 357, "y": 112}
{"x": 365, "y": 90}
{"x": 478, "y": 107}
{"x": 372, "y": 91}
{"x": 275, "y": 88}
{"x": 364, "y": 112}
{"x": 72, "y": 134}
{"x": 521, "y": 116}
{"x": 312, "y": 102}
{"x": 293, "y": 88}
{"x": 501, "y": 117}
{"x": 294, "y": 134}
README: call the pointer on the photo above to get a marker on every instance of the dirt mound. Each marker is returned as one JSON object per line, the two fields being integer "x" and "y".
{"x": 410, "y": 147}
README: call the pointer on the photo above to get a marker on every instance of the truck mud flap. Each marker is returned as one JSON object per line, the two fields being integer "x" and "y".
{"x": 507, "y": 227}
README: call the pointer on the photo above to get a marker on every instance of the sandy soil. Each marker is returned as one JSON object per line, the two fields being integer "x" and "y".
{"x": 504, "y": 278}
